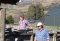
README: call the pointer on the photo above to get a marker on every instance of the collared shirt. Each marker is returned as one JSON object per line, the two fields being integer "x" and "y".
{"x": 23, "y": 24}
{"x": 42, "y": 35}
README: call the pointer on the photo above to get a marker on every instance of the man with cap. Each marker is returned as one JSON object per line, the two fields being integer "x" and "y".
{"x": 41, "y": 34}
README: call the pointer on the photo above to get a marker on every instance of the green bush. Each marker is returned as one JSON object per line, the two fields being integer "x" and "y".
{"x": 9, "y": 20}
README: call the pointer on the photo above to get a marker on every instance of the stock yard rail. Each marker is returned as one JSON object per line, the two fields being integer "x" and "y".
{"x": 29, "y": 35}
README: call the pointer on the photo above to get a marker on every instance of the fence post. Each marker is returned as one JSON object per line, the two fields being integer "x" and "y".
{"x": 31, "y": 38}
{"x": 2, "y": 24}
{"x": 54, "y": 36}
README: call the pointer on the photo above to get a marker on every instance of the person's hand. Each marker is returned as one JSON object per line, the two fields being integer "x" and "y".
{"x": 18, "y": 28}
{"x": 31, "y": 28}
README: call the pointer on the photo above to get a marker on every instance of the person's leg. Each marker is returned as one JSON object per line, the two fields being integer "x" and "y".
{"x": 23, "y": 31}
{"x": 20, "y": 39}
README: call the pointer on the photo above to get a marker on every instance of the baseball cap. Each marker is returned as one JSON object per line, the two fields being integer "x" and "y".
{"x": 39, "y": 24}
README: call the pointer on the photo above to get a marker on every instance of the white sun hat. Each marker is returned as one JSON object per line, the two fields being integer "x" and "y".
{"x": 39, "y": 24}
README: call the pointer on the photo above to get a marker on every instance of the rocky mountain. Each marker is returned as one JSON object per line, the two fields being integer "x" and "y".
{"x": 43, "y": 2}
{"x": 23, "y": 6}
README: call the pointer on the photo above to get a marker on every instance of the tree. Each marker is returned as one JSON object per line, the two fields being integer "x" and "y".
{"x": 9, "y": 20}
{"x": 35, "y": 12}
{"x": 31, "y": 12}
{"x": 39, "y": 11}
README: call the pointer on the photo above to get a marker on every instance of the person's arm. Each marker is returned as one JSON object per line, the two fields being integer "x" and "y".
{"x": 35, "y": 39}
{"x": 48, "y": 37}
{"x": 18, "y": 26}
{"x": 48, "y": 40}
{"x": 28, "y": 24}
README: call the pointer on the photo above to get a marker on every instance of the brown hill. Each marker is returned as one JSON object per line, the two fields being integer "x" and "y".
{"x": 22, "y": 7}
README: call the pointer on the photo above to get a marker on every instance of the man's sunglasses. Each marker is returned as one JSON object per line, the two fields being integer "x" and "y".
{"x": 38, "y": 26}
